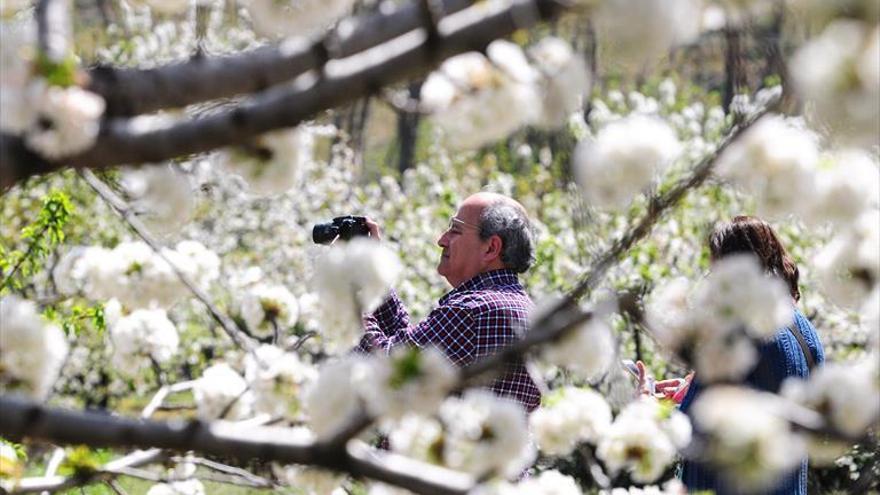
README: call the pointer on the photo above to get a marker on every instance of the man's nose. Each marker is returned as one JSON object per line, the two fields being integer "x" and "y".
{"x": 442, "y": 240}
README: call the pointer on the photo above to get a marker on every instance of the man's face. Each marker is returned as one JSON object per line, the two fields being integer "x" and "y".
{"x": 462, "y": 256}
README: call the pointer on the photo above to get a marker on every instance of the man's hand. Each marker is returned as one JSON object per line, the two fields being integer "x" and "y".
{"x": 374, "y": 229}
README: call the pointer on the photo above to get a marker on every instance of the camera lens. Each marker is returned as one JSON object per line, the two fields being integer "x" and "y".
{"x": 324, "y": 233}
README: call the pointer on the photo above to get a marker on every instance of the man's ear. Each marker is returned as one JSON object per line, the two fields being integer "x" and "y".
{"x": 493, "y": 249}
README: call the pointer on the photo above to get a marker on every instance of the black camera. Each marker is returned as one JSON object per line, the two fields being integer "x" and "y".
{"x": 343, "y": 228}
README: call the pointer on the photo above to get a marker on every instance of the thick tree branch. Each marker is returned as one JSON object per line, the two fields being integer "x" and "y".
{"x": 21, "y": 418}
{"x": 139, "y": 91}
{"x": 122, "y": 208}
{"x": 342, "y": 81}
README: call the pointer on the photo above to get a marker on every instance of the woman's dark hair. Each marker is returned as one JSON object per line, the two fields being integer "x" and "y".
{"x": 745, "y": 234}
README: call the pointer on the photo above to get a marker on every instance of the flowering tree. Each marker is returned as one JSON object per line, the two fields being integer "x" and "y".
{"x": 163, "y": 160}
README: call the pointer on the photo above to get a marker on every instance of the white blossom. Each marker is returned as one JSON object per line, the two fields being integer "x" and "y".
{"x": 221, "y": 393}
{"x": 737, "y": 292}
{"x": 839, "y": 72}
{"x": 68, "y": 120}
{"x": 564, "y": 80}
{"x": 644, "y": 439}
{"x": 549, "y": 483}
{"x": 775, "y": 161}
{"x": 570, "y": 415}
{"x": 669, "y": 314}
{"x": 408, "y": 380}
{"x": 623, "y": 159}
{"x": 848, "y": 394}
{"x": 17, "y": 43}
{"x": 272, "y": 163}
{"x": 280, "y": 18}
{"x": 418, "y": 437}
{"x": 334, "y": 397}
{"x": 265, "y": 306}
{"x": 352, "y": 279}
{"x": 161, "y": 196}
{"x": 746, "y": 436}
{"x": 634, "y": 33}
{"x": 475, "y": 102}
{"x": 849, "y": 266}
{"x": 277, "y": 379}
{"x": 671, "y": 487}
{"x": 143, "y": 334}
{"x": 486, "y": 434}
{"x": 200, "y": 263}
{"x": 31, "y": 351}
{"x": 847, "y": 189}
{"x": 588, "y": 348}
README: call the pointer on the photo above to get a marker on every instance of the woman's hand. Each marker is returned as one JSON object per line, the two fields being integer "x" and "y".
{"x": 673, "y": 389}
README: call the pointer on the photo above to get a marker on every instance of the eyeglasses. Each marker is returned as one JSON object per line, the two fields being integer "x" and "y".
{"x": 455, "y": 221}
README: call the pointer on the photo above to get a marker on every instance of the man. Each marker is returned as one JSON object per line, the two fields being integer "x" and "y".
{"x": 488, "y": 241}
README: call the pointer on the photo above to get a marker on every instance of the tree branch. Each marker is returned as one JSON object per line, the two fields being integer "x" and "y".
{"x": 53, "y": 29}
{"x": 138, "y": 91}
{"x": 342, "y": 81}
{"x": 20, "y": 417}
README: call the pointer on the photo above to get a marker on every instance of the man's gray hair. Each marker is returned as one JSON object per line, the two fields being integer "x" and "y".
{"x": 509, "y": 222}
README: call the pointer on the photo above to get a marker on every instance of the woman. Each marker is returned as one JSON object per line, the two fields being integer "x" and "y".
{"x": 793, "y": 351}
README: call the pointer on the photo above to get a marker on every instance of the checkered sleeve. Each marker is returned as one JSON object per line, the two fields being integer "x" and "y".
{"x": 448, "y": 328}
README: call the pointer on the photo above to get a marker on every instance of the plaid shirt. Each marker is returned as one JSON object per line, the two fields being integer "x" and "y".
{"x": 472, "y": 321}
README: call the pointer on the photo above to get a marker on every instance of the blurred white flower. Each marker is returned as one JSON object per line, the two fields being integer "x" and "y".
{"x": 200, "y": 263}
{"x": 278, "y": 380}
{"x": 68, "y": 120}
{"x": 407, "y": 380}
{"x": 746, "y": 436}
{"x": 775, "y": 161}
{"x": 264, "y": 306}
{"x": 221, "y": 393}
{"x": 17, "y": 46}
{"x": 143, "y": 335}
{"x": 550, "y": 482}
{"x": 301, "y": 18}
{"x": 847, "y": 394}
{"x": 334, "y": 397}
{"x": 564, "y": 80}
{"x": 160, "y": 195}
{"x": 486, "y": 435}
{"x": 738, "y": 293}
{"x": 671, "y": 487}
{"x": 623, "y": 159}
{"x": 68, "y": 281}
{"x": 475, "y": 102}
{"x": 272, "y": 163}
{"x": 669, "y": 314}
{"x": 187, "y": 487}
{"x": 418, "y": 437}
{"x": 635, "y": 33}
{"x": 849, "y": 266}
{"x": 570, "y": 416}
{"x": 588, "y": 349}
{"x": 839, "y": 72}
{"x": 643, "y": 440}
{"x": 847, "y": 189}
{"x": 821, "y": 12}
{"x": 724, "y": 357}
{"x": 31, "y": 351}
{"x": 352, "y": 279}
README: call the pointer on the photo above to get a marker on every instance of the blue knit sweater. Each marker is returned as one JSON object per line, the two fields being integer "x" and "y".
{"x": 779, "y": 359}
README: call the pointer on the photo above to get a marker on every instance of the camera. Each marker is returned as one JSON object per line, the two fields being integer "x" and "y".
{"x": 343, "y": 228}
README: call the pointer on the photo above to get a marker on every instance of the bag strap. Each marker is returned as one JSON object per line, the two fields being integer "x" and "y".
{"x": 811, "y": 363}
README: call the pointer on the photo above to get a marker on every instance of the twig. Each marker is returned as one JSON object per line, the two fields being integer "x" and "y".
{"x": 124, "y": 210}
{"x": 231, "y": 470}
{"x": 53, "y": 29}
{"x": 115, "y": 487}
{"x": 157, "y": 400}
